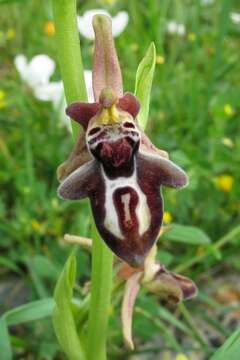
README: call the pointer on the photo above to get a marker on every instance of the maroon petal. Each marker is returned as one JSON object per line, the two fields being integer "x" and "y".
{"x": 82, "y": 112}
{"x": 106, "y": 69}
{"x": 188, "y": 287}
{"x": 130, "y": 104}
{"x": 81, "y": 182}
{"x": 171, "y": 287}
{"x": 160, "y": 171}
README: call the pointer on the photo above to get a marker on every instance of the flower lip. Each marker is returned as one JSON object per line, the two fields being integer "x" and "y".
{"x": 116, "y": 154}
{"x": 94, "y": 131}
{"x": 129, "y": 124}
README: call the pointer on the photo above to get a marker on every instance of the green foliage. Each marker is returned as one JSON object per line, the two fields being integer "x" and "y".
{"x": 194, "y": 115}
{"x": 187, "y": 234}
{"x": 29, "y": 312}
{"x": 63, "y": 316}
{"x": 5, "y": 340}
{"x": 230, "y": 349}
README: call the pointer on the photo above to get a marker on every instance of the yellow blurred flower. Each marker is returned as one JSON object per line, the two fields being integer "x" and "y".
{"x": 10, "y": 34}
{"x": 160, "y": 60}
{"x": 181, "y": 357}
{"x": 192, "y": 37}
{"x": 167, "y": 217}
{"x": 55, "y": 203}
{"x": 49, "y": 28}
{"x": 134, "y": 46}
{"x": 3, "y": 102}
{"x": 36, "y": 225}
{"x": 224, "y": 182}
{"x": 109, "y": 2}
{"x": 200, "y": 251}
{"x": 228, "y": 110}
{"x": 228, "y": 142}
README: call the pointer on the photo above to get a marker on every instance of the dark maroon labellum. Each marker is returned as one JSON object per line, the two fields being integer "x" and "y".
{"x": 115, "y": 164}
{"x": 123, "y": 178}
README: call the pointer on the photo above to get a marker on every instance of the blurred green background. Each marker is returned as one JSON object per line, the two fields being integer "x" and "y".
{"x": 194, "y": 115}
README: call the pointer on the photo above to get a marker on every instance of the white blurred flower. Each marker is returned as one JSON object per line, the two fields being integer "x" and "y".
{"x": 176, "y": 28}
{"x": 119, "y": 22}
{"x": 207, "y": 2}
{"x": 235, "y": 17}
{"x": 36, "y": 74}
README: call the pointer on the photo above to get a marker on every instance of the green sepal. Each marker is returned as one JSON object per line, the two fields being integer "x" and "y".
{"x": 143, "y": 83}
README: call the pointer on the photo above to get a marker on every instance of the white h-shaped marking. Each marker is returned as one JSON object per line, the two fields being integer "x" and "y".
{"x": 111, "y": 221}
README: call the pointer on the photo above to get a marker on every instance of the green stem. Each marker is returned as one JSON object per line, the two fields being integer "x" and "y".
{"x": 70, "y": 61}
{"x": 69, "y": 53}
{"x": 189, "y": 320}
{"x": 102, "y": 261}
{"x": 218, "y": 245}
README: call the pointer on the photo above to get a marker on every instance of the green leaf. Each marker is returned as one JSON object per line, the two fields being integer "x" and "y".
{"x": 44, "y": 268}
{"x": 172, "y": 319}
{"x": 143, "y": 83}
{"x": 29, "y": 312}
{"x": 5, "y": 346}
{"x": 11, "y": 1}
{"x": 32, "y": 311}
{"x": 187, "y": 234}
{"x": 63, "y": 318}
{"x": 9, "y": 264}
{"x": 230, "y": 349}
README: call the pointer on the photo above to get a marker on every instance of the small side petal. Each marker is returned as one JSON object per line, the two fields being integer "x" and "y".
{"x": 188, "y": 287}
{"x": 130, "y": 104}
{"x": 171, "y": 287}
{"x": 130, "y": 293}
{"x": 119, "y": 22}
{"x": 166, "y": 288}
{"x": 82, "y": 112}
{"x": 163, "y": 170}
{"x": 79, "y": 184}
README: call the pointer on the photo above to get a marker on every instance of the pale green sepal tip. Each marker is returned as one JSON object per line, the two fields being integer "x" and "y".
{"x": 143, "y": 83}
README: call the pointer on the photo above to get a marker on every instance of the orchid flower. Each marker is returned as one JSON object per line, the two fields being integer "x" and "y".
{"x": 119, "y": 22}
{"x": 174, "y": 27}
{"x": 166, "y": 285}
{"x": 36, "y": 74}
{"x": 114, "y": 163}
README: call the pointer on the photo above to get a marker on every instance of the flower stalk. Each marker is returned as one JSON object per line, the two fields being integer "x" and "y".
{"x": 102, "y": 261}
{"x": 69, "y": 54}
